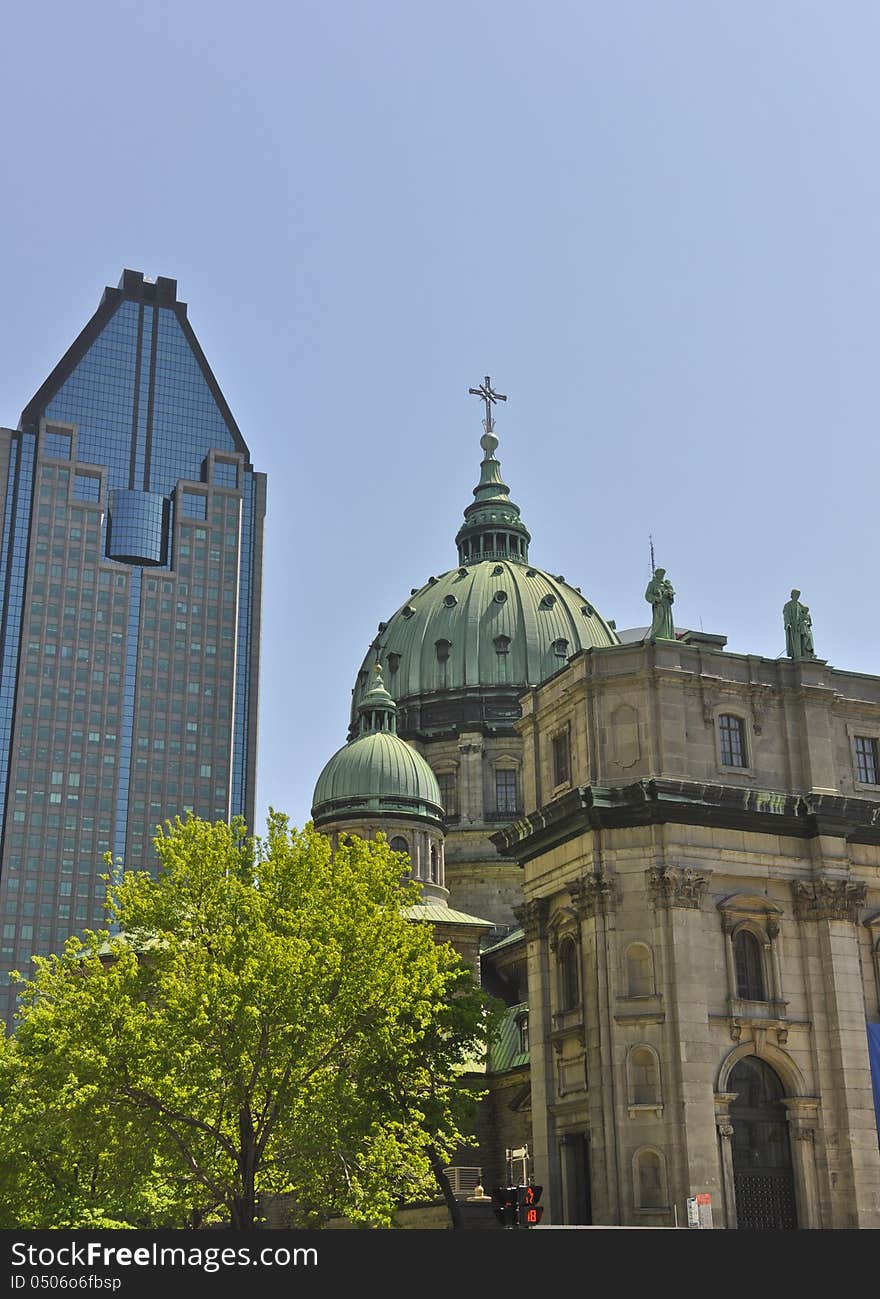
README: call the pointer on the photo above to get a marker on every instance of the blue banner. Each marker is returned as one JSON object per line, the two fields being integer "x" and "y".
{"x": 874, "y": 1054}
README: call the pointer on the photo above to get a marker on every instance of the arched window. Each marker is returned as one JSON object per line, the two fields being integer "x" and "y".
{"x": 433, "y": 863}
{"x": 399, "y": 844}
{"x": 639, "y": 970}
{"x": 650, "y": 1180}
{"x": 749, "y": 966}
{"x": 569, "y": 982}
{"x": 644, "y": 1077}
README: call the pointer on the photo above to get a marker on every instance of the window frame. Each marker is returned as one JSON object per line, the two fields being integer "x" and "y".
{"x": 562, "y": 735}
{"x": 503, "y": 775}
{"x": 874, "y": 742}
{"x": 725, "y": 734}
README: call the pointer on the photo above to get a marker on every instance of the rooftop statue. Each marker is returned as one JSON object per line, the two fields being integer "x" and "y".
{"x": 798, "y": 628}
{"x": 660, "y": 595}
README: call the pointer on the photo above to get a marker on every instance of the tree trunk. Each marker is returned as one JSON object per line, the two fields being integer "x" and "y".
{"x": 446, "y": 1190}
{"x": 243, "y": 1207}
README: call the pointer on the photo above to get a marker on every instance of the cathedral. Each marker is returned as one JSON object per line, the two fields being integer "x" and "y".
{"x": 663, "y": 857}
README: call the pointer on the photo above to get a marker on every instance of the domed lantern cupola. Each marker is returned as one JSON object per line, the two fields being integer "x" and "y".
{"x": 492, "y": 527}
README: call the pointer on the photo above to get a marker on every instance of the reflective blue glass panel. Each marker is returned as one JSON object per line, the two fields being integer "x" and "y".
{"x": 56, "y": 446}
{"x": 225, "y": 473}
{"x": 138, "y": 527}
{"x": 195, "y": 506}
{"x": 86, "y": 487}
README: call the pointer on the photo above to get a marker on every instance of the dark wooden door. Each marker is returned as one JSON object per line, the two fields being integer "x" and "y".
{"x": 762, "y": 1173}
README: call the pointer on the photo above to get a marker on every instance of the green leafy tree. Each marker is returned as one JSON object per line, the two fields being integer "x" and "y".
{"x": 261, "y": 1019}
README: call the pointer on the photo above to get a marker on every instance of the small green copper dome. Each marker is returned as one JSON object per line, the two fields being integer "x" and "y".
{"x": 376, "y": 772}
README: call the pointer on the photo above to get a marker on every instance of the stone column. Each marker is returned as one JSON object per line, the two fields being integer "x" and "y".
{"x": 802, "y": 1121}
{"x": 532, "y": 915}
{"x": 828, "y": 909}
{"x": 727, "y": 929}
{"x": 773, "y": 934}
{"x": 725, "y": 1140}
{"x": 470, "y": 776}
{"x": 690, "y": 948}
{"x": 595, "y": 897}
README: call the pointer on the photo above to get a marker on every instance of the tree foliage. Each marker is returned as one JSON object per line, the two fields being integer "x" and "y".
{"x": 261, "y": 1019}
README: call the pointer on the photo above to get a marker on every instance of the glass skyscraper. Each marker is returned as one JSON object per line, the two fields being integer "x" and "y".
{"x": 130, "y": 584}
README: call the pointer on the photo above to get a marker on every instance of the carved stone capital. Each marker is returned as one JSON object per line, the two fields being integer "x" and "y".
{"x": 593, "y": 895}
{"x": 772, "y": 929}
{"x": 533, "y": 917}
{"x": 677, "y": 886}
{"x": 825, "y": 899}
{"x": 802, "y": 1134}
{"x": 725, "y": 1130}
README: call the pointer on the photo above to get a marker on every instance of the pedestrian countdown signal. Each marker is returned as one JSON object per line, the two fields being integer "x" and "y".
{"x": 529, "y": 1210}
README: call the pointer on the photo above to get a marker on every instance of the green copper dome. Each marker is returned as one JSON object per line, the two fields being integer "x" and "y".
{"x": 494, "y": 625}
{"x": 376, "y": 772}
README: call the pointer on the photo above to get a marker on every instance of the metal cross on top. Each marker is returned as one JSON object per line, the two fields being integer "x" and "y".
{"x": 488, "y": 396}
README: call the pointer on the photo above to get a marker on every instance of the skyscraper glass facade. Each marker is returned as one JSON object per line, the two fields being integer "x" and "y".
{"x": 130, "y": 581}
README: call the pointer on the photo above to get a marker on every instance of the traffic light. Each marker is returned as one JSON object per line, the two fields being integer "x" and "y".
{"x": 529, "y": 1211}
{"x": 504, "y": 1205}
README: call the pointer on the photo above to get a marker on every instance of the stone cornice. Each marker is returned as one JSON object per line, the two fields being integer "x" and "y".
{"x": 828, "y": 899}
{"x": 689, "y": 802}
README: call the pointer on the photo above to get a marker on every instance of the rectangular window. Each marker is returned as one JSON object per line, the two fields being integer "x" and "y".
{"x": 561, "y": 758}
{"x": 867, "y": 760}
{"x": 448, "y": 792}
{"x": 505, "y": 791}
{"x": 195, "y": 505}
{"x": 225, "y": 473}
{"x": 86, "y": 487}
{"x": 731, "y": 732}
{"x": 56, "y": 444}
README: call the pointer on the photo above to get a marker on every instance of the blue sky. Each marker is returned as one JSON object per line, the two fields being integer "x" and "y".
{"x": 655, "y": 225}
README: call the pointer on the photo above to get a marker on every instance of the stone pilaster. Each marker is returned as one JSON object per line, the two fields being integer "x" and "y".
{"x": 690, "y": 947}
{"x": 470, "y": 776}
{"x": 828, "y": 910}
{"x": 724, "y": 1126}
{"x": 532, "y": 915}
{"x": 803, "y": 1120}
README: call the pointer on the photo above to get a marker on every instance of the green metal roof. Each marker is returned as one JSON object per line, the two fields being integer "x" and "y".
{"x": 493, "y": 621}
{"x": 503, "y": 623}
{"x": 376, "y": 771}
{"x": 504, "y": 1052}
{"x": 439, "y": 914}
{"x": 511, "y": 940}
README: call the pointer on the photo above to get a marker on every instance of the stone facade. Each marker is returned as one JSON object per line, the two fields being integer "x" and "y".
{"x": 480, "y": 882}
{"x": 701, "y": 883}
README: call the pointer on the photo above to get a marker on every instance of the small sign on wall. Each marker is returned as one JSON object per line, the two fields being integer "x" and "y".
{"x": 699, "y": 1211}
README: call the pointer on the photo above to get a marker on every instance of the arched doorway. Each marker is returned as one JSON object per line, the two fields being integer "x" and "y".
{"x": 762, "y": 1173}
